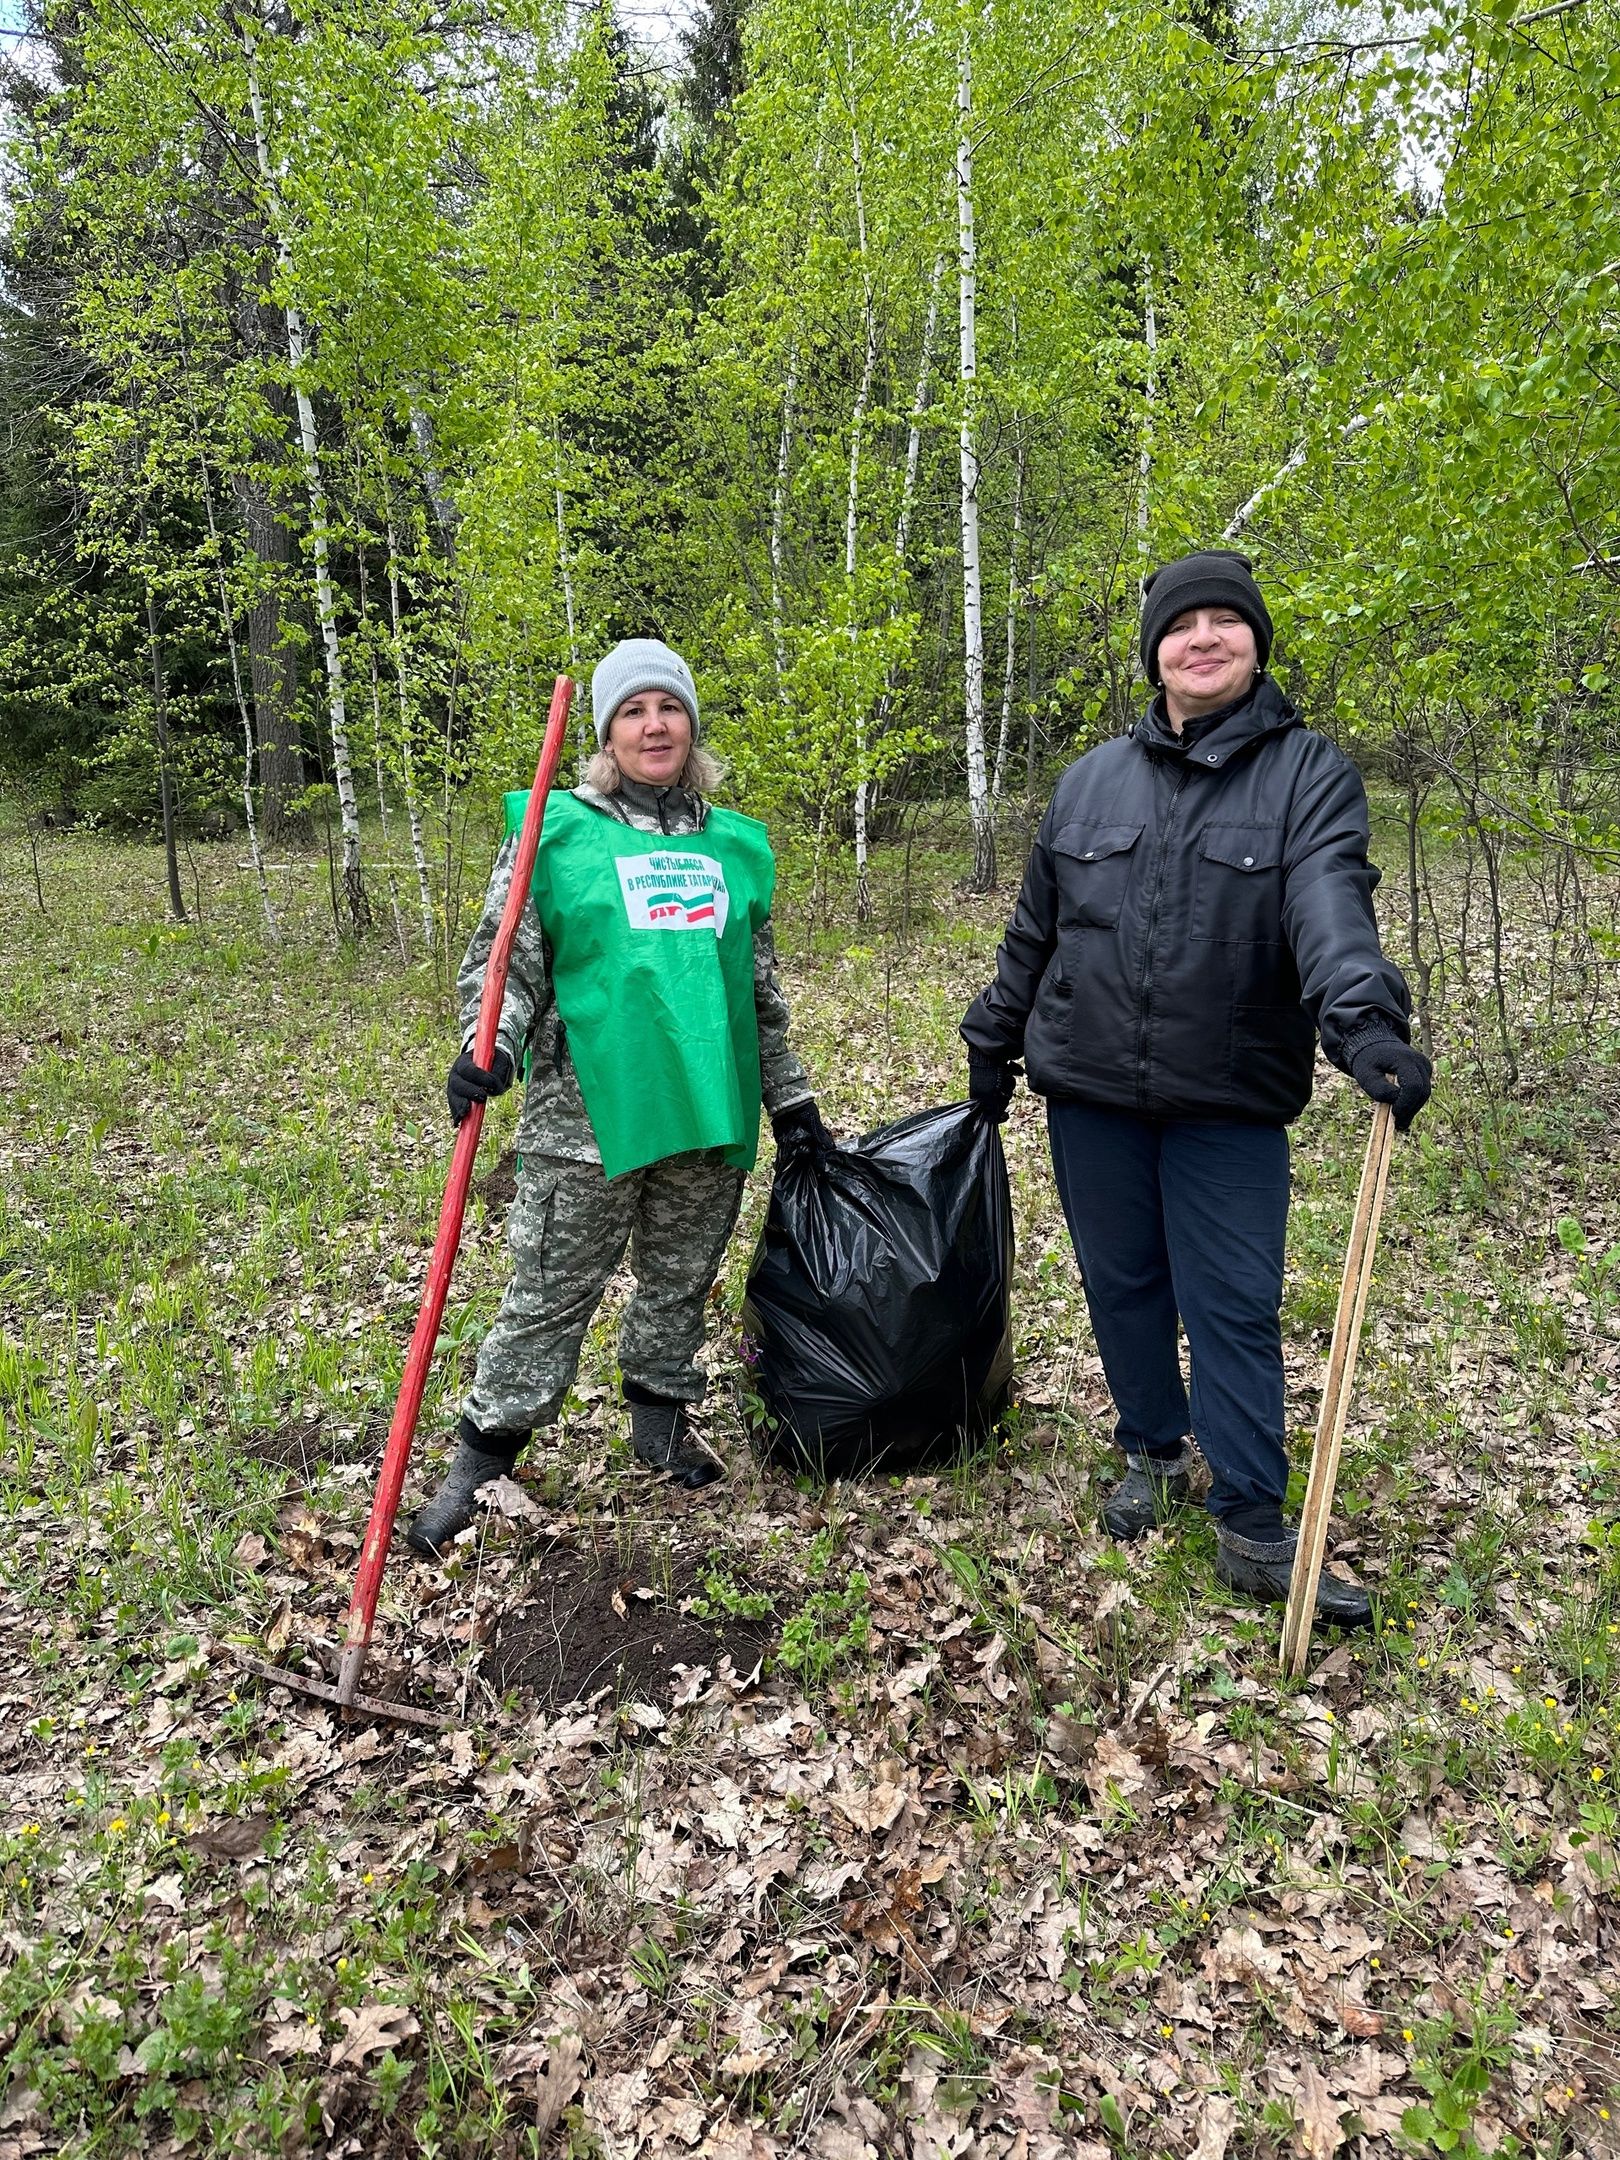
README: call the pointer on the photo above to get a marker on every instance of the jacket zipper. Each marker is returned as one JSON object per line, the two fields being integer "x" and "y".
{"x": 1144, "y": 986}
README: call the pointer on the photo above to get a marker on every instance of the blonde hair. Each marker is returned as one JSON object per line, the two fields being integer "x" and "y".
{"x": 700, "y": 775}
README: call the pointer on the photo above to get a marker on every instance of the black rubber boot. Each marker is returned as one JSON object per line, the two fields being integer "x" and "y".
{"x": 663, "y": 1440}
{"x": 1263, "y": 1569}
{"x": 1151, "y": 1490}
{"x": 455, "y": 1503}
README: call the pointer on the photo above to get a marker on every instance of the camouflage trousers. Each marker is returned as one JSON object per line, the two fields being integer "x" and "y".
{"x": 568, "y": 1231}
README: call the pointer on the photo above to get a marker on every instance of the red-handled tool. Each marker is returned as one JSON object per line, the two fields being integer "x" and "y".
{"x": 396, "y": 1455}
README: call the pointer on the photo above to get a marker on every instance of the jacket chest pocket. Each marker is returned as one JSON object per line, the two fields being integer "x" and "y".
{"x": 1093, "y": 867}
{"x": 1237, "y": 891}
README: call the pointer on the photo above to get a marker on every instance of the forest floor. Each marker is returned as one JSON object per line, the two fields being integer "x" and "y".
{"x": 897, "y": 1818}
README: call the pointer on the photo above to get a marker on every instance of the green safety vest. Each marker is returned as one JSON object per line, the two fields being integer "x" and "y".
{"x": 652, "y": 958}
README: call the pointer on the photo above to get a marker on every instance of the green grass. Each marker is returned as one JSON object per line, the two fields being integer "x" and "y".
{"x": 962, "y": 1843}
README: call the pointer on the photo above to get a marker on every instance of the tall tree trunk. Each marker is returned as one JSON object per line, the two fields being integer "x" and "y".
{"x": 852, "y": 504}
{"x": 354, "y": 889}
{"x": 407, "y": 760}
{"x": 444, "y": 510}
{"x": 908, "y": 483}
{"x": 979, "y": 807}
{"x": 377, "y": 754}
{"x": 1144, "y": 455}
{"x": 272, "y": 662}
{"x": 784, "y": 453}
{"x": 160, "y": 715}
{"x": 1010, "y": 659}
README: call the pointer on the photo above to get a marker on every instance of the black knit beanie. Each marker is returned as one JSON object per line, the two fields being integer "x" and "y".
{"x": 1218, "y": 577}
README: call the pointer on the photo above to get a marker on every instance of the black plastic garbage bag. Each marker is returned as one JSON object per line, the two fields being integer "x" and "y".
{"x": 877, "y": 1310}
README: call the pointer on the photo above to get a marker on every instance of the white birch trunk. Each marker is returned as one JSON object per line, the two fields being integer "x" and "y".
{"x": 1144, "y": 456}
{"x": 852, "y": 508}
{"x": 407, "y": 762}
{"x": 784, "y": 453}
{"x": 444, "y": 511}
{"x": 979, "y": 808}
{"x": 375, "y": 675}
{"x": 908, "y": 484}
{"x": 325, "y": 604}
{"x": 1290, "y": 464}
{"x": 1010, "y": 657}
{"x": 919, "y": 405}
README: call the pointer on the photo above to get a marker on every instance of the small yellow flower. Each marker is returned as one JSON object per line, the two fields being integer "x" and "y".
{"x": 1406, "y": 2034}
{"x": 1423, "y": 1661}
{"x": 30, "y": 1829}
{"x": 1507, "y": 1934}
{"x": 163, "y": 1818}
{"x": 1551, "y": 1701}
{"x": 1375, "y": 1964}
{"x": 117, "y": 1825}
{"x": 1603, "y": 2114}
{"x": 1411, "y": 1604}
{"x": 342, "y": 1964}
{"x": 368, "y": 1878}
{"x": 1518, "y": 1668}
{"x": 1204, "y": 1915}
{"x": 1328, "y": 1714}
{"x": 22, "y": 1882}
{"x": 1406, "y": 1859}
{"x": 1597, "y": 1774}
{"x": 89, "y": 1747}
{"x": 1166, "y": 2031}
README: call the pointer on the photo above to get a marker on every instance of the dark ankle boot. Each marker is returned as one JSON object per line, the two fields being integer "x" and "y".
{"x": 1264, "y": 1568}
{"x": 663, "y": 1440}
{"x": 455, "y": 1503}
{"x": 1151, "y": 1490}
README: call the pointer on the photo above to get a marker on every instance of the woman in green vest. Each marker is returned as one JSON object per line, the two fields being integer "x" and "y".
{"x": 644, "y": 994}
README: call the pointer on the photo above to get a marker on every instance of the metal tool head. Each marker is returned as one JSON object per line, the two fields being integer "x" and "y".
{"x": 324, "y": 1691}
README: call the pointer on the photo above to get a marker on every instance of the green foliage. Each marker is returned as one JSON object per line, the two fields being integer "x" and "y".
{"x": 833, "y": 1627}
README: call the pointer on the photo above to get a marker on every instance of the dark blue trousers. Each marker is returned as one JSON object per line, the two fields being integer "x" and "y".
{"x": 1185, "y": 1218}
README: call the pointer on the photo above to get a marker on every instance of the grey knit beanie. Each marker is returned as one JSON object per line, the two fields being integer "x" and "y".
{"x": 636, "y": 664}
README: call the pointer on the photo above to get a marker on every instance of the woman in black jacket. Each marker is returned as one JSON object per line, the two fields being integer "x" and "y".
{"x": 1197, "y": 909}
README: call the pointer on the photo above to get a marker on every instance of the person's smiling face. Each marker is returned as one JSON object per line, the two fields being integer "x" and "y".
{"x": 1206, "y": 659}
{"x": 650, "y": 735}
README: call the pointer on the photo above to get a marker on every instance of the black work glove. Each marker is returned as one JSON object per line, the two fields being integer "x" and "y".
{"x": 991, "y": 1082}
{"x": 1375, "y": 1060}
{"x": 469, "y": 1083}
{"x": 800, "y": 1132}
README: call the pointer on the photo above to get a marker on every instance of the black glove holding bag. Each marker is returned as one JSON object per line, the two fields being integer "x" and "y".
{"x": 992, "y": 1084}
{"x": 800, "y": 1132}
{"x": 469, "y": 1083}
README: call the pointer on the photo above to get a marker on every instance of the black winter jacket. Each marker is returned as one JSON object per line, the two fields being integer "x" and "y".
{"x": 1191, "y": 915}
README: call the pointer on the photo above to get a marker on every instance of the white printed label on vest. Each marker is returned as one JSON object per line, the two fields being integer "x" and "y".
{"x": 674, "y": 892}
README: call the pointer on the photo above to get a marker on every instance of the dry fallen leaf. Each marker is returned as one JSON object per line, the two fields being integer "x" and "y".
{"x": 557, "y": 2085}
{"x": 1116, "y": 1769}
{"x": 371, "y": 2030}
{"x": 1215, "y": 2127}
{"x": 1318, "y": 2135}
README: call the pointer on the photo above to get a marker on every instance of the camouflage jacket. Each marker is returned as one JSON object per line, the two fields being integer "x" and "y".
{"x": 554, "y": 1121}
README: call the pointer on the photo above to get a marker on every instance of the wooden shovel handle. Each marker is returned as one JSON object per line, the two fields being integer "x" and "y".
{"x": 1341, "y": 1373}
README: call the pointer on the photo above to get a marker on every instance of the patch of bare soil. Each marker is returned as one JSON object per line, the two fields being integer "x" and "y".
{"x": 498, "y": 1187}
{"x": 308, "y": 1445}
{"x": 595, "y": 1620}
